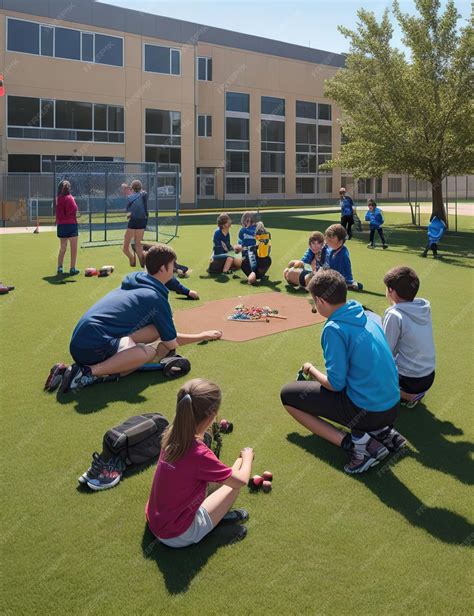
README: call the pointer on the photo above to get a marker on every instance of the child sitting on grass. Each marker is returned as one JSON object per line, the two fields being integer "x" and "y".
{"x": 223, "y": 259}
{"x": 255, "y": 245}
{"x": 337, "y": 257}
{"x": 409, "y": 332}
{"x": 299, "y": 273}
{"x": 178, "y": 512}
{"x": 360, "y": 389}
{"x": 375, "y": 219}
{"x": 436, "y": 230}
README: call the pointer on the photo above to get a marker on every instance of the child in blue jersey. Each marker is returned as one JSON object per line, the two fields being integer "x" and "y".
{"x": 224, "y": 260}
{"x": 337, "y": 256}
{"x": 137, "y": 208}
{"x": 347, "y": 211}
{"x": 360, "y": 388}
{"x": 299, "y": 273}
{"x": 374, "y": 217}
{"x": 246, "y": 245}
{"x": 436, "y": 230}
{"x": 127, "y": 328}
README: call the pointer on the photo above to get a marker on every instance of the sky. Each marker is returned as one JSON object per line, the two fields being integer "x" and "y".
{"x": 311, "y": 23}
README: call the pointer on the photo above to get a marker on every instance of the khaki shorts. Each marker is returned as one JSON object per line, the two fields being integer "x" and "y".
{"x": 200, "y": 527}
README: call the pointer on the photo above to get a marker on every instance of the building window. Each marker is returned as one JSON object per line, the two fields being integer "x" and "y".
{"x": 237, "y": 145}
{"x": 305, "y": 185}
{"x": 163, "y": 132}
{"x": 306, "y": 109}
{"x": 35, "y": 118}
{"x": 378, "y": 185}
{"x": 205, "y": 69}
{"x": 205, "y": 182}
{"x": 237, "y": 185}
{"x": 273, "y": 146}
{"x": 204, "y": 126}
{"x": 165, "y": 60}
{"x": 324, "y": 185}
{"x": 324, "y": 112}
{"x": 236, "y": 101}
{"x": 66, "y": 43}
{"x": 24, "y": 163}
{"x": 394, "y": 185}
{"x": 364, "y": 186}
{"x": 272, "y": 185}
{"x": 43, "y": 163}
{"x": 272, "y": 106}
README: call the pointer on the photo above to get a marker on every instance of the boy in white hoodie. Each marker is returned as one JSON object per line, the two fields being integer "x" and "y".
{"x": 409, "y": 332}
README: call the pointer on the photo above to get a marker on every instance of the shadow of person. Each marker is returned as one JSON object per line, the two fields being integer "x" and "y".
{"x": 445, "y": 525}
{"x": 58, "y": 279}
{"x": 180, "y": 566}
{"x": 428, "y": 434}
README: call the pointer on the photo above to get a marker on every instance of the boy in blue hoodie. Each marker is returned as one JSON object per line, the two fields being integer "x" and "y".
{"x": 375, "y": 219}
{"x": 130, "y": 326}
{"x": 337, "y": 256}
{"x": 347, "y": 211}
{"x": 360, "y": 387}
{"x": 436, "y": 230}
{"x": 300, "y": 272}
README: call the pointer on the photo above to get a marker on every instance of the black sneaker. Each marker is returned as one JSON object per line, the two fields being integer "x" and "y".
{"x": 365, "y": 456}
{"x": 109, "y": 476}
{"x": 385, "y": 246}
{"x": 95, "y": 469}
{"x": 76, "y": 377}
{"x": 55, "y": 377}
{"x": 392, "y": 439}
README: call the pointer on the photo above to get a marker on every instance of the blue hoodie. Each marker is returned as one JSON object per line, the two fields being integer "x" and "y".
{"x": 436, "y": 230}
{"x": 310, "y": 256}
{"x": 340, "y": 261}
{"x": 347, "y": 206}
{"x": 359, "y": 360}
{"x": 140, "y": 301}
{"x": 247, "y": 237}
{"x": 137, "y": 205}
{"x": 375, "y": 218}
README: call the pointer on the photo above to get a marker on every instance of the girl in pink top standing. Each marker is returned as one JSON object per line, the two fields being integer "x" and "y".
{"x": 178, "y": 512}
{"x": 67, "y": 228}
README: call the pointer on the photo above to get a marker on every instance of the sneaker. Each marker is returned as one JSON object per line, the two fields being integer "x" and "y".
{"x": 73, "y": 271}
{"x": 76, "y": 377}
{"x": 370, "y": 245}
{"x": 392, "y": 439}
{"x": 385, "y": 246}
{"x": 424, "y": 253}
{"x": 235, "y": 515}
{"x": 95, "y": 469}
{"x": 60, "y": 270}
{"x": 55, "y": 377}
{"x": 109, "y": 476}
{"x": 366, "y": 455}
{"x": 410, "y": 404}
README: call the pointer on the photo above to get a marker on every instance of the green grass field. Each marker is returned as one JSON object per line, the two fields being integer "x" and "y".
{"x": 395, "y": 540}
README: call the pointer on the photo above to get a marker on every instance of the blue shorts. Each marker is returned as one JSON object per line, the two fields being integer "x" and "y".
{"x": 89, "y": 357}
{"x": 69, "y": 230}
{"x": 137, "y": 223}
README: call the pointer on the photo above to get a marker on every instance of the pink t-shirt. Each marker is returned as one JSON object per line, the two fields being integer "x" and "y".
{"x": 66, "y": 210}
{"x": 179, "y": 489}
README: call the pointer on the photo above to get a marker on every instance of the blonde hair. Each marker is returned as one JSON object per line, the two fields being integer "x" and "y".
{"x": 136, "y": 185}
{"x": 197, "y": 400}
{"x": 250, "y": 217}
{"x": 260, "y": 228}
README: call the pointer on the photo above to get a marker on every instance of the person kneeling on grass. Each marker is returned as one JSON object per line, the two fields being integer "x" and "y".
{"x": 126, "y": 329}
{"x": 360, "y": 389}
{"x": 337, "y": 256}
{"x": 223, "y": 260}
{"x": 178, "y": 512}
{"x": 299, "y": 273}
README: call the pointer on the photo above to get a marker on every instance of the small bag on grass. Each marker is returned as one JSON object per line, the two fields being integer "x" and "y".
{"x": 137, "y": 440}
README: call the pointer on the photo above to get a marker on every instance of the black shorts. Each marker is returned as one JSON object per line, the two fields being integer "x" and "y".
{"x": 415, "y": 385}
{"x": 312, "y": 398}
{"x": 216, "y": 265}
{"x": 259, "y": 265}
{"x": 303, "y": 281}
{"x": 67, "y": 230}
{"x": 137, "y": 223}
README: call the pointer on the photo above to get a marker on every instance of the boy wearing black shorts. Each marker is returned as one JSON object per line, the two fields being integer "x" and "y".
{"x": 360, "y": 387}
{"x": 409, "y": 332}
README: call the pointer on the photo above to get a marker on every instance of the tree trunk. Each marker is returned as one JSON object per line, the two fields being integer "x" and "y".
{"x": 438, "y": 208}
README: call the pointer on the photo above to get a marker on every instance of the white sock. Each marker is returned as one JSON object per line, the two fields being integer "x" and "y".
{"x": 361, "y": 440}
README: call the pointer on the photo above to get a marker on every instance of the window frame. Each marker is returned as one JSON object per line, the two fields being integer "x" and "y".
{"x": 170, "y": 74}
{"x": 207, "y": 124}
{"x": 208, "y": 60}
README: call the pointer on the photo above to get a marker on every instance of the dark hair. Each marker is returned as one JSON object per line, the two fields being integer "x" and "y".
{"x": 64, "y": 188}
{"x": 316, "y": 236}
{"x": 371, "y": 202}
{"x": 336, "y": 231}
{"x": 328, "y": 285}
{"x": 157, "y": 256}
{"x": 223, "y": 219}
{"x": 136, "y": 185}
{"x": 404, "y": 281}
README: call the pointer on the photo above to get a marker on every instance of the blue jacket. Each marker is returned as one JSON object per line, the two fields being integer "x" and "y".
{"x": 177, "y": 287}
{"x": 219, "y": 239}
{"x": 141, "y": 300}
{"x": 340, "y": 261}
{"x": 436, "y": 230}
{"x": 359, "y": 360}
{"x": 347, "y": 206}
{"x": 309, "y": 256}
{"x": 247, "y": 237}
{"x": 375, "y": 218}
{"x": 137, "y": 205}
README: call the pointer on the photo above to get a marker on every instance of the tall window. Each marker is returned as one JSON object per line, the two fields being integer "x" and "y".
{"x": 272, "y": 133}
{"x": 164, "y": 60}
{"x": 67, "y": 43}
{"x": 313, "y": 147}
{"x": 204, "y": 126}
{"x": 205, "y": 182}
{"x": 272, "y": 106}
{"x": 41, "y": 118}
{"x": 163, "y": 136}
{"x": 236, "y": 101}
{"x": 204, "y": 69}
{"x": 237, "y": 142}
{"x": 394, "y": 185}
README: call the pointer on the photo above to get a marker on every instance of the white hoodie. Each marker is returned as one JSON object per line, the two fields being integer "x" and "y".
{"x": 407, "y": 327}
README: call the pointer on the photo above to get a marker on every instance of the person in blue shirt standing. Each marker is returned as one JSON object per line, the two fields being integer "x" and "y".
{"x": 129, "y": 327}
{"x": 347, "y": 211}
{"x": 137, "y": 214}
{"x": 375, "y": 219}
{"x": 360, "y": 388}
{"x": 436, "y": 230}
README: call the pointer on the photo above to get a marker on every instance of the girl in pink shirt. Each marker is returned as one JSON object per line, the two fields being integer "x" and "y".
{"x": 67, "y": 228}
{"x": 178, "y": 512}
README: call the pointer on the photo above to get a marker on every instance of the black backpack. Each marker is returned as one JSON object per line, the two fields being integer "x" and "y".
{"x": 137, "y": 440}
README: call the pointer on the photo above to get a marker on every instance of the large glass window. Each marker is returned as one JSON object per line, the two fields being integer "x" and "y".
{"x": 23, "y": 36}
{"x": 237, "y": 162}
{"x": 305, "y": 109}
{"x": 324, "y": 112}
{"x": 73, "y": 115}
{"x": 237, "y": 129}
{"x": 237, "y": 186}
{"x": 47, "y": 41}
{"x": 24, "y": 163}
{"x": 305, "y": 185}
{"x": 67, "y": 43}
{"x": 164, "y": 60}
{"x": 204, "y": 126}
{"x": 236, "y": 101}
{"x": 108, "y": 50}
{"x": 273, "y": 106}
{"x": 205, "y": 182}
{"x": 163, "y": 132}
{"x": 272, "y": 146}
{"x": 205, "y": 69}
{"x": 394, "y": 185}
{"x": 23, "y": 111}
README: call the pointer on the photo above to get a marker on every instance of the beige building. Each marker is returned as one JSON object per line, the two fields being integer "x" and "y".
{"x": 244, "y": 117}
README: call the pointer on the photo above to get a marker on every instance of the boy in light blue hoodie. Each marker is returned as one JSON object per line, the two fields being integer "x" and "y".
{"x": 360, "y": 388}
{"x": 436, "y": 230}
{"x": 375, "y": 219}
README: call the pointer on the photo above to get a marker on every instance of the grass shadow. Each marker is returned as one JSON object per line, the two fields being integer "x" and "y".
{"x": 443, "y": 524}
{"x": 59, "y": 279}
{"x": 180, "y": 566}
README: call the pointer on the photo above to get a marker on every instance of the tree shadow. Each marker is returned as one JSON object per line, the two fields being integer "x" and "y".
{"x": 180, "y": 566}
{"x": 445, "y": 525}
{"x": 59, "y": 279}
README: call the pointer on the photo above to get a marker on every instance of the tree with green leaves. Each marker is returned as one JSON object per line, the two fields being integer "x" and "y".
{"x": 408, "y": 112}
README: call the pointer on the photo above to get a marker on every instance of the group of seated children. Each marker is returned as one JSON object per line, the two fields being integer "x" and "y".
{"x": 251, "y": 253}
{"x": 326, "y": 251}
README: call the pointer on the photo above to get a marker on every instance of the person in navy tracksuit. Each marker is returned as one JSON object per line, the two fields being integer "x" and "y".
{"x": 347, "y": 211}
{"x": 375, "y": 219}
{"x": 436, "y": 230}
